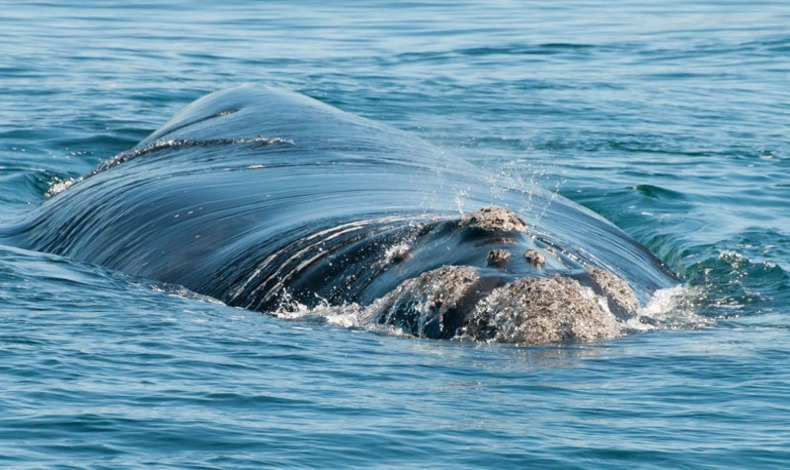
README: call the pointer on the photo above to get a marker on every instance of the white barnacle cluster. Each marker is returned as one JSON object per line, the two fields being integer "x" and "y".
{"x": 616, "y": 289}
{"x": 420, "y": 306}
{"x": 494, "y": 219}
{"x": 539, "y": 310}
{"x": 453, "y": 302}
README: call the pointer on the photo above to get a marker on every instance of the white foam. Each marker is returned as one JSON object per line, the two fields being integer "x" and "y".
{"x": 348, "y": 315}
{"x": 671, "y": 308}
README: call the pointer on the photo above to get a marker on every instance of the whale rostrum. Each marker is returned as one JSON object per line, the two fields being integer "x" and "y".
{"x": 503, "y": 304}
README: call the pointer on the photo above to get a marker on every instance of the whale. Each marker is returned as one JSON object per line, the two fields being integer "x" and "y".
{"x": 262, "y": 197}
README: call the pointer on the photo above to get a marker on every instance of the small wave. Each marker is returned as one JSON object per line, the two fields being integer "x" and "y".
{"x": 183, "y": 292}
{"x": 526, "y": 49}
{"x": 657, "y": 192}
{"x": 732, "y": 284}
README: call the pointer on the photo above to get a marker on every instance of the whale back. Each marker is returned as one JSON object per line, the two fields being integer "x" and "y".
{"x": 247, "y": 189}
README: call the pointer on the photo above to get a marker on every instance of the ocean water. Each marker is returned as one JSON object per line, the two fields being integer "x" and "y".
{"x": 671, "y": 119}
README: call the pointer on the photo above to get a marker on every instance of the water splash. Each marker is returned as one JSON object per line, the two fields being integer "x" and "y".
{"x": 348, "y": 315}
{"x": 530, "y": 180}
{"x": 674, "y": 308}
{"x": 58, "y": 184}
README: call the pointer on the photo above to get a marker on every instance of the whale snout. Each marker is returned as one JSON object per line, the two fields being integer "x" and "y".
{"x": 461, "y": 302}
{"x": 508, "y": 288}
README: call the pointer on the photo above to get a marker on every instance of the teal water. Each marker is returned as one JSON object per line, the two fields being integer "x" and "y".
{"x": 669, "y": 119}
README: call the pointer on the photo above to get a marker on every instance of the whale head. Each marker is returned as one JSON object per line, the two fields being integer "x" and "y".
{"x": 498, "y": 281}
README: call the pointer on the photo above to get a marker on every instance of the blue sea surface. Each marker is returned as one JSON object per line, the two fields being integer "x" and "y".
{"x": 671, "y": 119}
